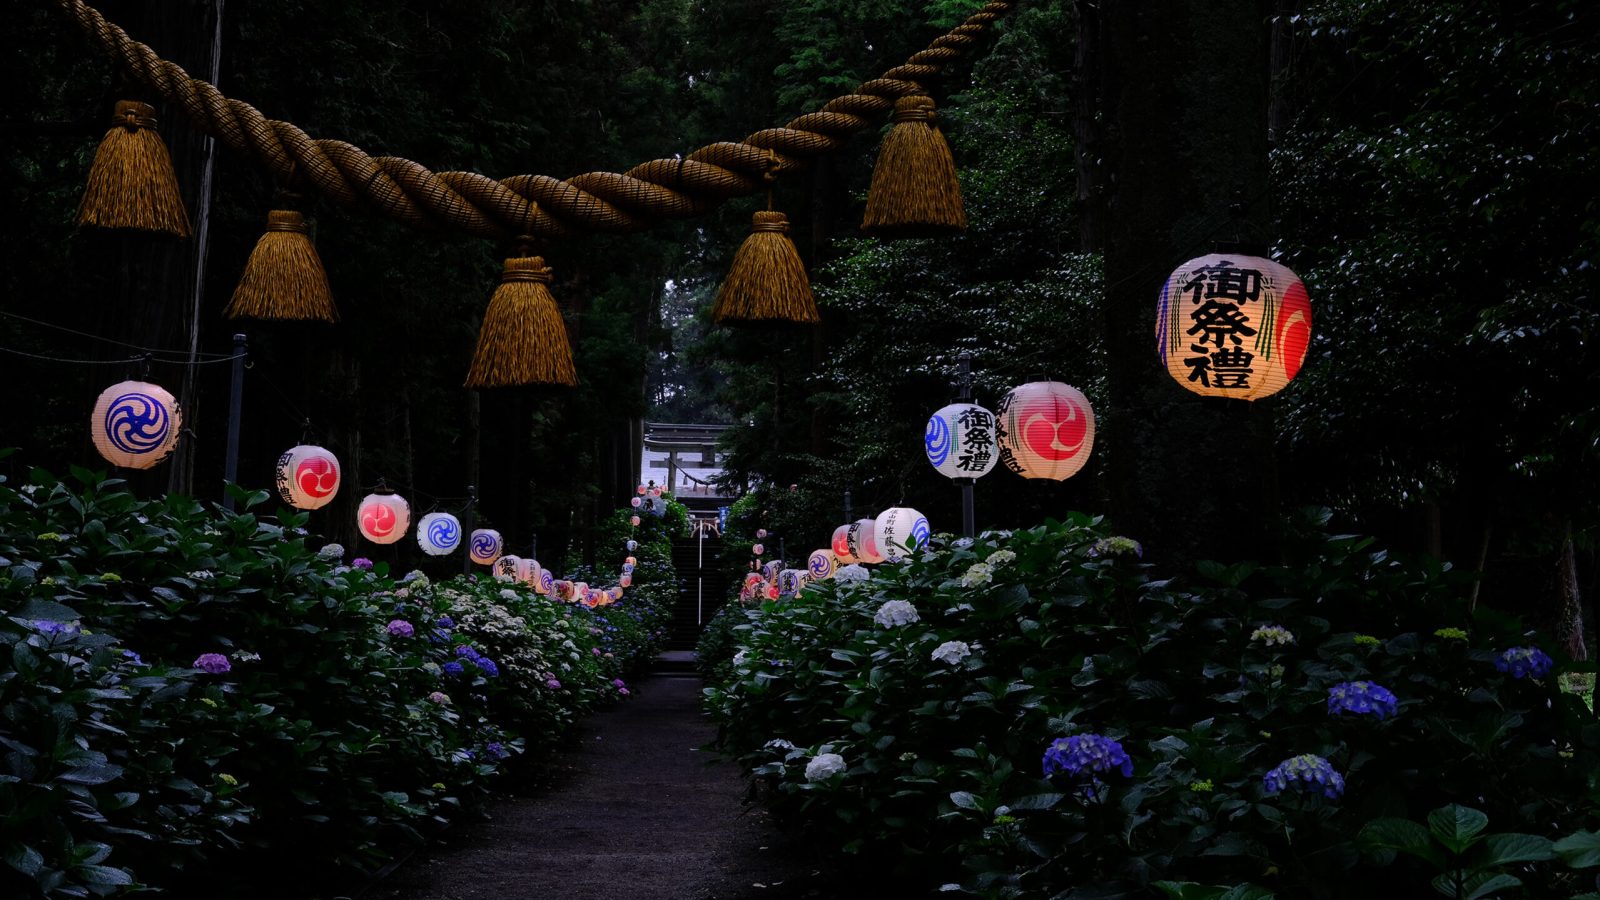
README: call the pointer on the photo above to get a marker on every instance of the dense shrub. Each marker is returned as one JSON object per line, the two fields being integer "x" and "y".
{"x": 184, "y": 689}
{"x": 1035, "y": 707}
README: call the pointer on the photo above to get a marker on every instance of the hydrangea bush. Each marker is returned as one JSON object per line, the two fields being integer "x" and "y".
{"x": 187, "y": 694}
{"x": 1068, "y": 722}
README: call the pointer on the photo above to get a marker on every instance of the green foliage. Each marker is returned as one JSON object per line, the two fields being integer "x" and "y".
{"x": 1470, "y": 864}
{"x": 356, "y": 714}
{"x": 1023, "y": 637}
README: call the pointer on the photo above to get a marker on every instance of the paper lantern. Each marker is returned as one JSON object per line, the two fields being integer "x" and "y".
{"x": 626, "y": 581}
{"x": 631, "y": 561}
{"x": 655, "y": 492}
{"x": 761, "y": 534}
{"x": 1232, "y": 325}
{"x": 505, "y": 567}
{"x": 960, "y": 441}
{"x": 821, "y": 565}
{"x": 642, "y": 489}
{"x": 862, "y": 539}
{"x": 561, "y": 589}
{"x": 135, "y": 424}
{"x": 383, "y": 518}
{"x": 771, "y": 590}
{"x": 615, "y": 593}
{"x": 1046, "y": 430}
{"x": 841, "y": 545}
{"x": 752, "y": 578}
{"x": 632, "y": 546}
{"x": 758, "y": 549}
{"x": 634, "y": 521}
{"x": 547, "y": 582}
{"x": 486, "y": 546}
{"x": 899, "y": 529}
{"x": 438, "y": 533}
{"x": 789, "y": 581}
{"x": 308, "y": 477}
{"x": 636, "y": 502}
{"x": 529, "y": 571}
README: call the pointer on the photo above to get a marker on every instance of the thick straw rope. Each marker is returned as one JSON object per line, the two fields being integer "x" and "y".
{"x": 533, "y": 205}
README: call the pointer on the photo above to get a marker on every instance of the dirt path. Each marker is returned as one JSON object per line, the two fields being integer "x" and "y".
{"x": 640, "y": 812}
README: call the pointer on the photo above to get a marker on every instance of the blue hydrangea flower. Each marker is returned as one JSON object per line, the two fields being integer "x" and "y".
{"x": 129, "y": 654}
{"x": 496, "y": 750}
{"x": 1362, "y": 698}
{"x": 488, "y": 666}
{"x": 1086, "y": 754}
{"x": 452, "y": 668}
{"x": 1525, "y": 662}
{"x": 445, "y": 622}
{"x": 45, "y": 626}
{"x": 467, "y": 652}
{"x": 1306, "y": 772}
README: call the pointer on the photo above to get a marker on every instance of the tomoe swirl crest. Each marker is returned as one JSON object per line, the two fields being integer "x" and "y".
{"x": 137, "y": 423}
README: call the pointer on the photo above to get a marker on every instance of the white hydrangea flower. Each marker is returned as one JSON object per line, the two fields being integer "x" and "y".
{"x": 1273, "y": 636}
{"x": 979, "y": 573}
{"x": 852, "y": 572}
{"x": 740, "y": 657}
{"x": 779, "y": 744}
{"x": 824, "y": 767}
{"x": 1001, "y": 558}
{"x": 952, "y": 652}
{"x": 331, "y": 551}
{"x": 246, "y": 656}
{"x": 508, "y": 594}
{"x": 201, "y": 575}
{"x": 895, "y": 613}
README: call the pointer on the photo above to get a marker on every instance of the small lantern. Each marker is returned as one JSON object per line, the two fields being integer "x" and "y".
{"x": 616, "y": 593}
{"x": 900, "y": 529}
{"x": 505, "y": 567}
{"x": 438, "y": 533}
{"x": 135, "y": 424}
{"x": 642, "y": 489}
{"x": 632, "y": 561}
{"x": 789, "y": 581}
{"x": 383, "y": 518}
{"x": 821, "y": 565}
{"x": 486, "y": 546}
{"x": 841, "y": 545}
{"x": 655, "y": 492}
{"x": 632, "y": 546}
{"x": 761, "y": 534}
{"x": 636, "y": 502}
{"x": 771, "y": 590}
{"x": 751, "y": 579}
{"x": 546, "y": 583}
{"x": 561, "y": 589}
{"x": 634, "y": 521}
{"x": 627, "y": 568}
{"x": 1046, "y": 430}
{"x": 625, "y": 581}
{"x": 529, "y": 572}
{"x": 960, "y": 441}
{"x": 863, "y": 541}
{"x": 758, "y": 549}
{"x": 580, "y": 590}
{"x": 1233, "y": 325}
{"x": 308, "y": 477}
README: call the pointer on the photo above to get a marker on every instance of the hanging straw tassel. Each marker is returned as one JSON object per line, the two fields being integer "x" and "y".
{"x": 523, "y": 339}
{"x": 767, "y": 281}
{"x": 284, "y": 278}
{"x": 915, "y": 191}
{"x": 131, "y": 184}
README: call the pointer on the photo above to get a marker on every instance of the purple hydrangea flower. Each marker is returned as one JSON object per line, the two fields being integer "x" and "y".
{"x": 1306, "y": 772}
{"x": 552, "y": 684}
{"x": 129, "y": 654}
{"x": 488, "y": 666}
{"x": 1362, "y": 698}
{"x": 445, "y": 622}
{"x": 452, "y": 668}
{"x": 495, "y": 750}
{"x": 213, "y": 663}
{"x": 618, "y": 683}
{"x": 401, "y": 628}
{"x": 1091, "y": 754}
{"x": 45, "y": 626}
{"x": 362, "y": 563}
{"x": 1525, "y": 662}
{"x": 439, "y": 697}
{"x": 466, "y": 651}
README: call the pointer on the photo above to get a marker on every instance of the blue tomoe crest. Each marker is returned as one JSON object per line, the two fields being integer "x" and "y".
{"x": 936, "y": 440}
{"x": 444, "y": 533}
{"x": 137, "y": 423}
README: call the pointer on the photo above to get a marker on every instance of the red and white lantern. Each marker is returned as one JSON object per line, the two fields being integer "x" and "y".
{"x": 862, "y": 539}
{"x": 841, "y": 545}
{"x": 308, "y": 476}
{"x": 1233, "y": 325}
{"x": 1046, "y": 430}
{"x": 383, "y": 518}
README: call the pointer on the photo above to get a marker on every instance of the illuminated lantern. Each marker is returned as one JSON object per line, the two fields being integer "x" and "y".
{"x": 821, "y": 565}
{"x": 135, "y": 424}
{"x": 862, "y": 539}
{"x": 900, "y": 529}
{"x": 546, "y": 583}
{"x": 438, "y": 533}
{"x": 758, "y": 549}
{"x": 308, "y": 477}
{"x": 636, "y": 502}
{"x": 631, "y": 561}
{"x": 634, "y": 521}
{"x": 771, "y": 591}
{"x": 960, "y": 441}
{"x": 761, "y": 534}
{"x": 625, "y": 581}
{"x": 642, "y": 489}
{"x": 505, "y": 568}
{"x": 528, "y": 572}
{"x": 580, "y": 590}
{"x": 616, "y": 594}
{"x": 751, "y": 579}
{"x": 561, "y": 589}
{"x": 769, "y": 571}
{"x": 1232, "y": 325}
{"x": 383, "y": 518}
{"x": 486, "y": 546}
{"x": 789, "y": 581}
{"x": 655, "y": 492}
{"x": 841, "y": 545}
{"x": 1046, "y": 430}
{"x": 632, "y": 546}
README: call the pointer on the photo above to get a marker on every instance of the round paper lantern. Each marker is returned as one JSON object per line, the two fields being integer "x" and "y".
{"x": 789, "y": 581}
{"x": 761, "y": 534}
{"x": 642, "y": 489}
{"x": 625, "y": 581}
{"x": 438, "y": 533}
{"x": 899, "y": 529}
{"x": 960, "y": 441}
{"x": 561, "y": 589}
{"x": 862, "y": 539}
{"x": 308, "y": 477}
{"x": 655, "y": 492}
{"x": 1046, "y": 430}
{"x": 752, "y": 578}
{"x": 821, "y": 565}
{"x": 631, "y": 561}
{"x": 546, "y": 583}
{"x": 771, "y": 590}
{"x": 616, "y": 593}
{"x": 632, "y": 546}
{"x": 486, "y": 546}
{"x": 1232, "y": 325}
{"x": 841, "y": 545}
{"x": 636, "y": 502}
{"x": 758, "y": 549}
{"x": 528, "y": 572}
{"x": 135, "y": 424}
{"x": 383, "y": 518}
{"x": 505, "y": 567}
{"x": 634, "y": 521}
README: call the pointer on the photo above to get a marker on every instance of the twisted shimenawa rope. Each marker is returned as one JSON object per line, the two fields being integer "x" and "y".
{"x": 532, "y": 205}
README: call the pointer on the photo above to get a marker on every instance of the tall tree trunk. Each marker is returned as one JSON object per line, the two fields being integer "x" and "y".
{"x": 1186, "y": 87}
{"x": 1569, "y": 601}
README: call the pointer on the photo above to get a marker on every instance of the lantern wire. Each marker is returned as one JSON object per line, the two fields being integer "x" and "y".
{"x": 144, "y": 358}
{"x": 182, "y": 355}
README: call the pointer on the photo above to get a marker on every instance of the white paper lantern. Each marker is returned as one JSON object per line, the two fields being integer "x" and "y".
{"x": 438, "y": 533}
{"x": 135, "y": 424}
{"x": 383, "y": 518}
{"x": 841, "y": 545}
{"x": 900, "y": 528}
{"x": 505, "y": 567}
{"x": 960, "y": 441}
{"x": 486, "y": 546}
{"x": 308, "y": 476}
{"x": 547, "y": 582}
{"x": 862, "y": 539}
{"x": 637, "y": 502}
{"x": 1046, "y": 430}
{"x": 789, "y": 581}
{"x": 758, "y": 549}
{"x": 634, "y": 521}
{"x": 529, "y": 572}
{"x": 821, "y": 565}
{"x": 1233, "y": 325}
{"x": 761, "y": 534}
{"x": 632, "y": 546}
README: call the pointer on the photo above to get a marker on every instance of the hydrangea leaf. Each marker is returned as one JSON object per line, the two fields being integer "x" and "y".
{"x": 1579, "y": 851}
{"x": 1456, "y": 826}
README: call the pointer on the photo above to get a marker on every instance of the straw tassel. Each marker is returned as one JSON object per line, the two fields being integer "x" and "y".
{"x": 915, "y": 191}
{"x": 131, "y": 183}
{"x": 284, "y": 278}
{"x": 767, "y": 281}
{"x": 523, "y": 339}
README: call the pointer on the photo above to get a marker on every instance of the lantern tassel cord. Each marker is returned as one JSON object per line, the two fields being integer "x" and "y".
{"x": 532, "y": 205}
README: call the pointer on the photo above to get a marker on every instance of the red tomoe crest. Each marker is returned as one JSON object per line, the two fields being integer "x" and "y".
{"x": 1294, "y": 328}
{"x": 1054, "y": 430}
{"x": 317, "y": 476}
{"x": 378, "y": 519}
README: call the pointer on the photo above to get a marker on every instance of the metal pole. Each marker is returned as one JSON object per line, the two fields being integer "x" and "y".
{"x": 849, "y": 512}
{"x": 969, "y": 513}
{"x": 466, "y": 530}
{"x": 230, "y": 470}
